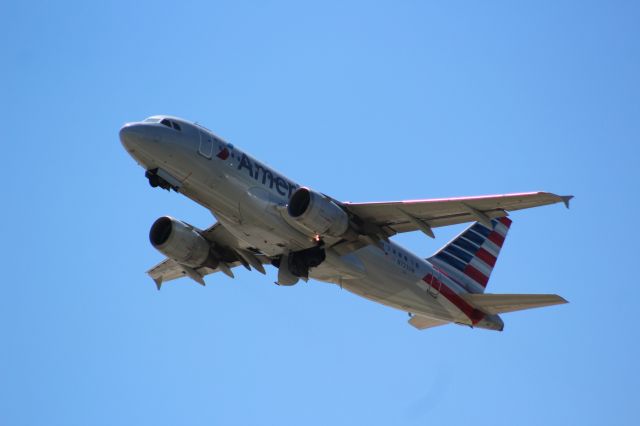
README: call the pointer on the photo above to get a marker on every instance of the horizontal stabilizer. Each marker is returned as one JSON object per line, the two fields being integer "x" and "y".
{"x": 501, "y": 303}
{"x": 421, "y": 322}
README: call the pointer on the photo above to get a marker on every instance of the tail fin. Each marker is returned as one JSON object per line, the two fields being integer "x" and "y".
{"x": 470, "y": 257}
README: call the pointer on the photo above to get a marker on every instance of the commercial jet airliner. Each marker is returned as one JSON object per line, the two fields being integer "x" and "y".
{"x": 265, "y": 218}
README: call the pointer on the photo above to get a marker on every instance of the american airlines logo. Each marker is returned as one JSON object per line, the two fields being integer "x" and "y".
{"x": 262, "y": 174}
{"x": 224, "y": 152}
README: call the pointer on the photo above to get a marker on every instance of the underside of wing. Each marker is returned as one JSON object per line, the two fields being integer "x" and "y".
{"x": 227, "y": 250}
{"x": 412, "y": 215}
{"x": 169, "y": 269}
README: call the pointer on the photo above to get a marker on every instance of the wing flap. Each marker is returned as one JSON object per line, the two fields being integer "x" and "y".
{"x": 501, "y": 303}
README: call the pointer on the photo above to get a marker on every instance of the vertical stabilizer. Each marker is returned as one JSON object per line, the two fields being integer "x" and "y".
{"x": 470, "y": 257}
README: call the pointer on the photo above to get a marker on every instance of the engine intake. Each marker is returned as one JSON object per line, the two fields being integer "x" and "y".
{"x": 317, "y": 213}
{"x": 179, "y": 241}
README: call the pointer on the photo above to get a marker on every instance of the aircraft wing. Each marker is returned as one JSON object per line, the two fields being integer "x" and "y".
{"x": 228, "y": 249}
{"x": 412, "y": 215}
{"x": 169, "y": 269}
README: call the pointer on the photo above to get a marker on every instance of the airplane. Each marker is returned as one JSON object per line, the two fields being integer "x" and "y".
{"x": 264, "y": 218}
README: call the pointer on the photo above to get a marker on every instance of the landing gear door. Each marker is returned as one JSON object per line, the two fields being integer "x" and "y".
{"x": 206, "y": 145}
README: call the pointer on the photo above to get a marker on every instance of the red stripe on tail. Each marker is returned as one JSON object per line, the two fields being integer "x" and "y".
{"x": 496, "y": 238}
{"x": 472, "y": 313}
{"x": 505, "y": 221}
{"x": 486, "y": 257}
{"x": 476, "y": 275}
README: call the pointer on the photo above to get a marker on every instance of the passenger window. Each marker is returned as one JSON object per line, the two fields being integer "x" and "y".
{"x": 176, "y": 126}
{"x": 166, "y": 122}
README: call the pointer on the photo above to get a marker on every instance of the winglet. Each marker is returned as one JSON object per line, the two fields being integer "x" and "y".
{"x": 158, "y": 282}
{"x": 566, "y": 199}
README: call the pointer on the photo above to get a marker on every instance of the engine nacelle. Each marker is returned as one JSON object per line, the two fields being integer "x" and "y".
{"x": 317, "y": 213}
{"x": 179, "y": 242}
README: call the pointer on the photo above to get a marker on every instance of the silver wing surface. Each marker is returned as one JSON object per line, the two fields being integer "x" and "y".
{"x": 223, "y": 243}
{"x": 412, "y": 215}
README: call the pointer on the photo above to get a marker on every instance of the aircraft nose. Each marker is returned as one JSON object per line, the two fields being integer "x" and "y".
{"x": 131, "y": 135}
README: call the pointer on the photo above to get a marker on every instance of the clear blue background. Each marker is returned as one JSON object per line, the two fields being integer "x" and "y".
{"x": 362, "y": 100}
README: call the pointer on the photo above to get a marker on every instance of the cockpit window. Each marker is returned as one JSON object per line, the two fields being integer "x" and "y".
{"x": 165, "y": 122}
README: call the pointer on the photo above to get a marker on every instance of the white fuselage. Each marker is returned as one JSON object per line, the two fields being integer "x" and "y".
{"x": 249, "y": 199}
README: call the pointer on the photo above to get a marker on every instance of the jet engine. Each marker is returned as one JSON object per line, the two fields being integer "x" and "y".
{"x": 317, "y": 213}
{"x": 179, "y": 241}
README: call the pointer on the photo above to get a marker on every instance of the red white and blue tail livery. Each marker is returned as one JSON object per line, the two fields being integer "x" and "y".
{"x": 471, "y": 256}
{"x": 459, "y": 276}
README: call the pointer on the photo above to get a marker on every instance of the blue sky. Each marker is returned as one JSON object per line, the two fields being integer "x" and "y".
{"x": 364, "y": 101}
